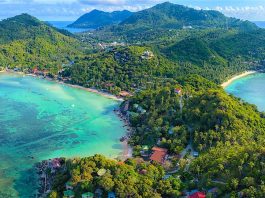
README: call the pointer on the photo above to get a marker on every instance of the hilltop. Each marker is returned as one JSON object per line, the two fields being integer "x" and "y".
{"x": 168, "y": 20}
{"x": 169, "y": 15}
{"x": 97, "y": 18}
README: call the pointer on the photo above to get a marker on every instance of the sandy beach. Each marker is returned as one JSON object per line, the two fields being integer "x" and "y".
{"x": 104, "y": 94}
{"x": 107, "y": 95}
{"x": 246, "y": 73}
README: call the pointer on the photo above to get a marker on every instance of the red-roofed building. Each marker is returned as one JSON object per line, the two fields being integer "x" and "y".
{"x": 158, "y": 155}
{"x": 125, "y": 94}
{"x": 178, "y": 91}
{"x": 198, "y": 195}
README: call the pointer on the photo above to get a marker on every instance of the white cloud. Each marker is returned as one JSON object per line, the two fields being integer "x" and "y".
{"x": 72, "y": 9}
{"x": 244, "y": 12}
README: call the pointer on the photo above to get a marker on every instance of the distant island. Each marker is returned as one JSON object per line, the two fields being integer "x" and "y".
{"x": 189, "y": 137}
{"x": 97, "y": 18}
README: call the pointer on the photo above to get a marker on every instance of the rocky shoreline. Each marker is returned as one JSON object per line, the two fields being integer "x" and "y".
{"x": 47, "y": 170}
{"x": 128, "y": 151}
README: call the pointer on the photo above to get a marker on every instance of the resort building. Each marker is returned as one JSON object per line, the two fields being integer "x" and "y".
{"x": 159, "y": 155}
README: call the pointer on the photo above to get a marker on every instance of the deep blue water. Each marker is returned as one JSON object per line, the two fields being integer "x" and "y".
{"x": 63, "y": 25}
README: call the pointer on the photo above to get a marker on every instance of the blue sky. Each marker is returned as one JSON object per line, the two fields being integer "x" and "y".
{"x": 69, "y": 10}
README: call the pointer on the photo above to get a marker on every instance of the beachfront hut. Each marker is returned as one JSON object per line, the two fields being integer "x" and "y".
{"x": 69, "y": 186}
{"x": 111, "y": 195}
{"x": 69, "y": 194}
{"x": 88, "y": 195}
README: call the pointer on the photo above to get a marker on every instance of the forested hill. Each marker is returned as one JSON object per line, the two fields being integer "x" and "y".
{"x": 168, "y": 15}
{"x": 27, "y": 42}
{"x": 97, "y": 18}
{"x": 169, "y": 22}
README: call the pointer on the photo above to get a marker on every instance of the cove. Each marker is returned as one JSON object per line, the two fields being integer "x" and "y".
{"x": 250, "y": 88}
{"x": 40, "y": 120}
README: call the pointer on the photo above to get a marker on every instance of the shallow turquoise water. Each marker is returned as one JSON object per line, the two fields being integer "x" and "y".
{"x": 251, "y": 89}
{"x": 43, "y": 119}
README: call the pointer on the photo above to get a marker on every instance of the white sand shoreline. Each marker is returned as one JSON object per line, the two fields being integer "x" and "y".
{"x": 244, "y": 74}
{"x": 106, "y": 95}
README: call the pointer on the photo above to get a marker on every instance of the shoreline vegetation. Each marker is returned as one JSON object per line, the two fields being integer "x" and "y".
{"x": 231, "y": 80}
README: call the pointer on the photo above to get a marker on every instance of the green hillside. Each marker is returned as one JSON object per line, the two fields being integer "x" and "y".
{"x": 27, "y": 42}
{"x": 168, "y": 15}
{"x": 168, "y": 20}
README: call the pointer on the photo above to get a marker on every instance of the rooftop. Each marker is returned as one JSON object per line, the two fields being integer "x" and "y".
{"x": 198, "y": 195}
{"x": 158, "y": 155}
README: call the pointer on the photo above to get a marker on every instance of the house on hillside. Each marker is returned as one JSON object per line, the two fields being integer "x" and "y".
{"x": 147, "y": 55}
{"x": 159, "y": 155}
{"x": 178, "y": 91}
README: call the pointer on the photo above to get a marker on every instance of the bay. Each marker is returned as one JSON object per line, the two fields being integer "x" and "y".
{"x": 250, "y": 88}
{"x": 40, "y": 120}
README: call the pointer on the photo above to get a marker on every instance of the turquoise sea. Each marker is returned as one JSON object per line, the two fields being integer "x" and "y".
{"x": 250, "y": 88}
{"x": 40, "y": 120}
